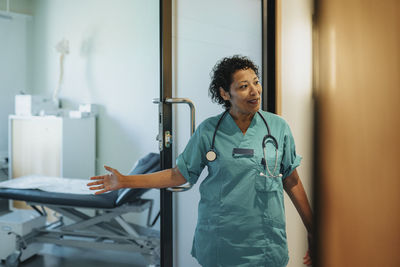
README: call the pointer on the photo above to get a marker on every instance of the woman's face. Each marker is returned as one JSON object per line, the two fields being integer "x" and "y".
{"x": 244, "y": 93}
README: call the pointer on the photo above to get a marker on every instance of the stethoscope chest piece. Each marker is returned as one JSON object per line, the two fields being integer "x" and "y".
{"x": 211, "y": 155}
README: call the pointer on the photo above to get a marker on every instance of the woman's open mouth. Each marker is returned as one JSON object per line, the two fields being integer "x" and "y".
{"x": 253, "y": 101}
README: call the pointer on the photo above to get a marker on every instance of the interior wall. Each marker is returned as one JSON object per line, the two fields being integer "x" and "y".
{"x": 295, "y": 80}
{"x": 113, "y": 62}
{"x": 14, "y": 69}
{"x": 202, "y": 36}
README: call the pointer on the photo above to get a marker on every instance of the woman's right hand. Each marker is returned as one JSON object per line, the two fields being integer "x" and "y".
{"x": 107, "y": 182}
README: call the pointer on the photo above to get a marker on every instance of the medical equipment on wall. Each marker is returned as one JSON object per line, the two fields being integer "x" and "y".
{"x": 211, "y": 155}
{"x": 62, "y": 47}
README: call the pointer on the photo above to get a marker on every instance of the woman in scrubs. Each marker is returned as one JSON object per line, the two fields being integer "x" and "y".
{"x": 241, "y": 218}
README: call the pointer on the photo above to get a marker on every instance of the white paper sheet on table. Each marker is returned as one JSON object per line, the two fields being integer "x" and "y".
{"x": 49, "y": 184}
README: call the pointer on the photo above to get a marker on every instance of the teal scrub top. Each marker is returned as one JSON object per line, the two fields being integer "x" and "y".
{"x": 241, "y": 217}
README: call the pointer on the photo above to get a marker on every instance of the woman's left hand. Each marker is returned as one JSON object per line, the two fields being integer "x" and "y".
{"x": 307, "y": 260}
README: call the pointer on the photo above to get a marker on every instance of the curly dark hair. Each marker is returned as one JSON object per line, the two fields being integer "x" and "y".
{"x": 222, "y": 74}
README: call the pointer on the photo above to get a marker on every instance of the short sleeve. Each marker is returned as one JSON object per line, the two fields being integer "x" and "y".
{"x": 192, "y": 160}
{"x": 290, "y": 160}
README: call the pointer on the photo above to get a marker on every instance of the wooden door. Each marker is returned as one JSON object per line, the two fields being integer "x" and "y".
{"x": 357, "y": 71}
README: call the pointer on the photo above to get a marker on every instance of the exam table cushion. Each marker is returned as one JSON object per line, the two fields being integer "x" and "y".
{"x": 104, "y": 201}
{"x": 148, "y": 164}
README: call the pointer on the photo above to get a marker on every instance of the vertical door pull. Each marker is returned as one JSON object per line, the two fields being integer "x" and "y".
{"x": 165, "y": 139}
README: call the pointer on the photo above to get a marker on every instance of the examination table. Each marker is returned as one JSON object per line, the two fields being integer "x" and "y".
{"x": 105, "y": 229}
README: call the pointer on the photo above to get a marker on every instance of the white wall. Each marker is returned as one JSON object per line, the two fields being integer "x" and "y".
{"x": 204, "y": 32}
{"x": 14, "y": 62}
{"x": 113, "y": 62}
{"x": 297, "y": 107}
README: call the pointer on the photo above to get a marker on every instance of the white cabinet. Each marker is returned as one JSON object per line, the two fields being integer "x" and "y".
{"x": 52, "y": 146}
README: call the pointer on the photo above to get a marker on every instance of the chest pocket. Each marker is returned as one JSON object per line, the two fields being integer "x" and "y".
{"x": 265, "y": 182}
{"x": 232, "y": 168}
{"x": 270, "y": 191}
{"x": 232, "y": 175}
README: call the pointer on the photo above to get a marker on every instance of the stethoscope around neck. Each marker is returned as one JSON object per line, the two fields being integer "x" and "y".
{"x": 211, "y": 155}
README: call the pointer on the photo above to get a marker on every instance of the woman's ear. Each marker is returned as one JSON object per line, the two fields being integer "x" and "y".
{"x": 224, "y": 94}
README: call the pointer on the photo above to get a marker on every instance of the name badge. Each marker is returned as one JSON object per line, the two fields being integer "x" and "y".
{"x": 243, "y": 151}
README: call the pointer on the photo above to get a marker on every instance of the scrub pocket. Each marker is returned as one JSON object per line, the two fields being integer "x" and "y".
{"x": 275, "y": 210}
{"x": 270, "y": 194}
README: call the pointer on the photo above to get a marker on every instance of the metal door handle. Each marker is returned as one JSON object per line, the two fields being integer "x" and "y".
{"x": 187, "y": 101}
{"x": 192, "y": 110}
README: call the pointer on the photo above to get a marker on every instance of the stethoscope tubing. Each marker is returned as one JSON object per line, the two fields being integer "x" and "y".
{"x": 216, "y": 128}
{"x": 211, "y": 154}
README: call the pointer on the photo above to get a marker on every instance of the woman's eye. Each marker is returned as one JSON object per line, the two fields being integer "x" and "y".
{"x": 257, "y": 82}
{"x": 243, "y": 86}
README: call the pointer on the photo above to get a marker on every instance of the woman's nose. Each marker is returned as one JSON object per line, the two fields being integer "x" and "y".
{"x": 254, "y": 90}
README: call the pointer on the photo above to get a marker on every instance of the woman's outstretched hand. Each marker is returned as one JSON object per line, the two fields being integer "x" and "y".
{"x": 107, "y": 182}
